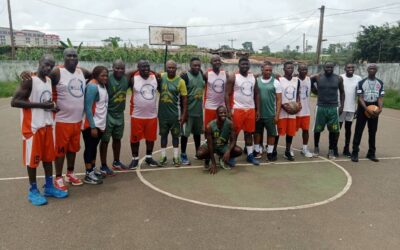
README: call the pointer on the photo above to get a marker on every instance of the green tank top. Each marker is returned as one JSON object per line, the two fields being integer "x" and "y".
{"x": 116, "y": 95}
{"x": 195, "y": 89}
{"x": 267, "y": 97}
{"x": 220, "y": 136}
{"x": 169, "y": 97}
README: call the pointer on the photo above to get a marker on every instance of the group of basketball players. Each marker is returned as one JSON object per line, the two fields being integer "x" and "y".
{"x": 57, "y": 106}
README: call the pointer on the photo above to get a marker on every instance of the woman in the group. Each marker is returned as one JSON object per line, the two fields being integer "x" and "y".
{"x": 94, "y": 123}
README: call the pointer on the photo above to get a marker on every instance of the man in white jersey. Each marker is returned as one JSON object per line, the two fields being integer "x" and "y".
{"x": 303, "y": 116}
{"x": 68, "y": 92}
{"x": 34, "y": 97}
{"x": 215, "y": 89}
{"x": 350, "y": 82}
{"x": 246, "y": 104}
{"x": 143, "y": 113}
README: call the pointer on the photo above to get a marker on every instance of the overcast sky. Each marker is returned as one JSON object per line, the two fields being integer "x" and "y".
{"x": 272, "y": 23}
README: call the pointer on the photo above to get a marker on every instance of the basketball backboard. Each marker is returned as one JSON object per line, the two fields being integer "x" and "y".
{"x": 164, "y": 35}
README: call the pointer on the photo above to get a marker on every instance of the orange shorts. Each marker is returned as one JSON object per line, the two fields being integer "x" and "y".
{"x": 209, "y": 115}
{"x": 303, "y": 122}
{"x": 287, "y": 126}
{"x": 38, "y": 147}
{"x": 244, "y": 119}
{"x": 68, "y": 136}
{"x": 143, "y": 129}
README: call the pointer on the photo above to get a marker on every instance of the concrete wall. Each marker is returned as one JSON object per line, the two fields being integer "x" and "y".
{"x": 388, "y": 72}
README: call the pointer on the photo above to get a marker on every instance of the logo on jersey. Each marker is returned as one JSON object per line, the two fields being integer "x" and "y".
{"x": 218, "y": 86}
{"x": 247, "y": 88}
{"x": 75, "y": 87}
{"x": 303, "y": 92}
{"x": 147, "y": 91}
{"x": 45, "y": 96}
{"x": 290, "y": 93}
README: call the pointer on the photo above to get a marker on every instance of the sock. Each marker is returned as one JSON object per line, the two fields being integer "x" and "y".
{"x": 305, "y": 147}
{"x": 163, "y": 153}
{"x": 257, "y": 148}
{"x": 176, "y": 152}
{"x": 249, "y": 150}
{"x": 270, "y": 149}
{"x": 33, "y": 186}
{"x": 135, "y": 158}
{"x": 148, "y": 156}
{"x": 49, "y": 181}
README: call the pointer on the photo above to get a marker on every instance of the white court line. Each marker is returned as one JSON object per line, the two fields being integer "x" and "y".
{"x": 195, "y": 166}
{"x": 390, "y": 117}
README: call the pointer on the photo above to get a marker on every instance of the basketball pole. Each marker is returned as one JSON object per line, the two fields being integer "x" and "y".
{"x": 165, "y": 57}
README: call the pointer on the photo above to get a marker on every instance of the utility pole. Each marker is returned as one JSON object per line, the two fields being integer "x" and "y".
{"x": 304, "y": 44}
{"x": 231, "y": 40}
{"x": 321, "y": 28}
{"x": 11, "y": 31}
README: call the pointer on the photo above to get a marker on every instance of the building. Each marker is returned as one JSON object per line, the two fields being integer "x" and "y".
{"x": 28, "y": 38}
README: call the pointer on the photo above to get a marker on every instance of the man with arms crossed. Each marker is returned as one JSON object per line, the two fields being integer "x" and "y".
{"x": 221, "y": 140}
{"x": 34, "y": 98}
{"x": 245, "y": 111}
{"x": 270, "y": 94}
{"x": 327, "y": 85}
{"x": 350, "y": 82}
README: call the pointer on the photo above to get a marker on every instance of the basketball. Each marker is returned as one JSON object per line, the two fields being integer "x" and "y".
{"x": 370, "y": 107}
{"x": 291, "y": 107}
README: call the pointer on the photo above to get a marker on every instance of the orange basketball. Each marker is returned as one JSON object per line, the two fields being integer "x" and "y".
{"x": 370, "y": 107}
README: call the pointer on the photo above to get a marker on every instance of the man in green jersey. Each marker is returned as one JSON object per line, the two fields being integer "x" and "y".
{"x": 221, "y": 140}
{"x": 270, "y": 95}
{"x": 195, "y": 87}
{"x": 117, "y": 86}
{"x": 172, "y": 87}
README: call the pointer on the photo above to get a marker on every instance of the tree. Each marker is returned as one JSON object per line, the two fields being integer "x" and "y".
{"x": 248, "y": 46}
{"x": 297, "y": 48}
{"x": 309, "y": 48}
{"x": 266, "y": 50}
{"x": 378, "y": 43}
{"x": 112, "y": 41}
{"x": 225, "y": 47}
{"x": 69, "y": 44}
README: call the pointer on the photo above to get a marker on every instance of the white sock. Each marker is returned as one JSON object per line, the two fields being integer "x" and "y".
{"x": 176, "y": 152}
{"x": 270, "y": 149}
{"x": 249, "y": 149}
{"x": 305, "y": 147}
{"x": 163, "y": 153}
{"x": 135, "y": 158}
{"x": 148, "y": 156}
{"x": 257, "y": 148}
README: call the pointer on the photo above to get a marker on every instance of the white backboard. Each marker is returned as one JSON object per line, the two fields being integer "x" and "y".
{"x": 162, "y": 35}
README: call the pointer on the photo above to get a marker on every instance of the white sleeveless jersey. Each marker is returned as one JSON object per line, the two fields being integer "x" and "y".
{"x": 144, "y": 97}
{"x": 215, "y": 94}
{"x": 289, "y": 92}
{"x": 69, "y": 93}
{"x": 99, "y": 110}
{"x": 305, "y": 92}
{"x": 243, "y": 91}
{"x": 32, "y": 119}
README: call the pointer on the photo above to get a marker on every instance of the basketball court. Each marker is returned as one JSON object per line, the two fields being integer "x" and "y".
{"x": 306, "y": 204}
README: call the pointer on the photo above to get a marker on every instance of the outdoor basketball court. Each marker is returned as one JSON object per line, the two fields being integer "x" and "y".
{"x": 306, "y": 204}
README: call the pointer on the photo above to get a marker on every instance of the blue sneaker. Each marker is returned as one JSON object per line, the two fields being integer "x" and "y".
{"x": 184, "y": 159}
{"x": 54, "y": 192}
{"x": 232, "y": 162}
{"x": 105, "y": 170}
{"x": 252, "y": 160}
{"x": 36, "y": 198}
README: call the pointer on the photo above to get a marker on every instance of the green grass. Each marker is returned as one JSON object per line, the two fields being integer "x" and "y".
{"x": 7, "y": 89}
{"x": 392, "y": 99}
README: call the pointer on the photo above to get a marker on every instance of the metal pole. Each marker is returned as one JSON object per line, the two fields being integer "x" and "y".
{"x": 165, "y": 57}
{"x": 321, "y": 28}
{"x": 11, "y": 31}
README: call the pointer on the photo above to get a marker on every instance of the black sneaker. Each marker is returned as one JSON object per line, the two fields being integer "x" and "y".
{"x": 275, "y": 154}
{"x": 354, "y": 157}
{"x": 372, "y": 157}
{"x": 151, "y": 162}
{"x": 92, "y": 179}
{"x": 336, "y": 152}
{"x": 288, "y": 156}
{"x": 134, "y": 164}
{"x": 257, "y": 155}
{"x": 99, "y": 174}
{"x": 346, "y": 152}
{"x": 271, "y": 157}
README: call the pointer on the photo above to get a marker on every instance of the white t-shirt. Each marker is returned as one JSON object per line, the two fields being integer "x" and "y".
{"x": 305, "y": 91}
{"x": 289, "y": 94}
{"x": 350, "y": 86}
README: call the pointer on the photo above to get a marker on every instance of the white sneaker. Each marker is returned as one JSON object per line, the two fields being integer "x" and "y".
{"x": 291, "y": 153}
{"x": 306, "y": 153}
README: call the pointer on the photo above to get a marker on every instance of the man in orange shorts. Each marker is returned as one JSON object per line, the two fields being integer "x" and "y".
{"x": 287, "y": 116}
{"x": 243, "y": 85}
{"x": 34, "y": 98}
{"x": 303, "y": 117}
{"x": 143, "y": 113}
